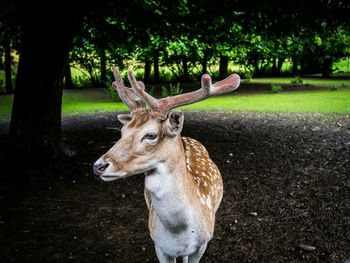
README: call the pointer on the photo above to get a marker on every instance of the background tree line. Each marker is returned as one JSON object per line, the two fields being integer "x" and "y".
{"x": 187, "y": 37}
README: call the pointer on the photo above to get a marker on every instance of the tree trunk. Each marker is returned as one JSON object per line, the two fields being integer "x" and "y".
{"x": 103, "y": 69}
{"x": 223, "y": 67}
{"x": 68, "y": 83}
{"x": 8, "y": 71}
{"x": 295, "y": 65}
{"x": 326, "y": 67}
{"x": 93, "y": 77}
{"x": 204, "y": 63}
{"x": 146, "y": 76}
{"x": 156, "y": 76}
{"x": 1, "y": 60}
{"x": 256, "y": 67}
{"x": 35, "y": 128}
{"x": 184, "y": 68}
{"x": 274, "y": 66}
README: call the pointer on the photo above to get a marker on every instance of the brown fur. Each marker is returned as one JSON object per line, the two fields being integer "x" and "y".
{"x": 140, "y": 117}
{"x": 203, "y": 171}
{"x": 204, "y": 183}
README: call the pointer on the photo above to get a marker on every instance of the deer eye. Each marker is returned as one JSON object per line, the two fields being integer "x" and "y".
{"x": 150, "y": 136}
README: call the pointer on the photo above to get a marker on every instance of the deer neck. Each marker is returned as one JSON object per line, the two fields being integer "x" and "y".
{"x": 168, "y": 175}
{"x": 168, "y": 182}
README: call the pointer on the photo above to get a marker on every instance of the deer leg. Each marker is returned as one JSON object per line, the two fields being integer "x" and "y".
{"x": 164, "y": 258}
{"x": 196, "y": 256}
{"x": 185, "y": 259}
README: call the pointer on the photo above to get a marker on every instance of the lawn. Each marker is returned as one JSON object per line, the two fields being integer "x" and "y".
{"x": 320, "y": 101}
{"x": 92, "y": 101}
{"x": 89, "y": 101}
{"x": 311, "y": 81}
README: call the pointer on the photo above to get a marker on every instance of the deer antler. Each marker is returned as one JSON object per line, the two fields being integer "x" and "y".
{"x": 160, "y": 107}
{"x": 127, "y": 95}
{"x": 136, "y": 97}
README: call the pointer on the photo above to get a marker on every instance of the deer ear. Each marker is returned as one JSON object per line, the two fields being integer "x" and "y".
{"x": 174, "y": 123}
{"x": 124, "y": 118}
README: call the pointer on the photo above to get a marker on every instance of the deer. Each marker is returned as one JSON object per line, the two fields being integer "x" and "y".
{"x": 183, "y": 186}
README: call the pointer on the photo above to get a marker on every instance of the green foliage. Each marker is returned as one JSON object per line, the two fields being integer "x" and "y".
{"x": 129, "y": 34}
{"x": 297, "y": 81}
{"x": 112, "y": 92}
{"x": 342, "y": 65}
{"x": 173, "y": 90}
{"x": 3, "y": 83}
{"x": 259, "y": 43}
{"x": 180, "y": 50}
{"x": 81, "y": 81}
{"x": 151, "y": 91}
{"x": 275, "y": 88}
{"x": 167, "y": 75}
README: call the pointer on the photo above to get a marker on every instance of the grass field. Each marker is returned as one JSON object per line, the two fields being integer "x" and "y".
{"x": 321, "y": 101}
{"x": 92, "y": 101}
{"x": 311, "y": 81}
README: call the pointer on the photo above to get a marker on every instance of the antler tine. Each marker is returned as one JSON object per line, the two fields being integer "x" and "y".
{"x": 139, "y": 89}
{"x": 207, "y": 90}
{"x": 229, "y": 84}
{"x": 127, "y": 95}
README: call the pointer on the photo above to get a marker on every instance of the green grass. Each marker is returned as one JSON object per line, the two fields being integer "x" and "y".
{"x": 93, "y": 101}
{"x": 321, "y": 101}
{"x": 5, "y": 106}
{"x": 89, "y": 101}
{"x": 311, "y": 81}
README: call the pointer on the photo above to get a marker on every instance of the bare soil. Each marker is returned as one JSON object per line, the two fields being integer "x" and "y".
{"x": 286, "y": 193}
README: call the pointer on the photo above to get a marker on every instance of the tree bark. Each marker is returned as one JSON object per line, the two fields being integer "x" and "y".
{"x": 103, "y": 69}
{"x": 35, "y": 128}
{"x": 223, "y": 67}
{"x": 274, "y": 66}
{"x": 295, "y": 65}
{"x": 184, "y": 68}
{"x": 8, "y": 70}
{"x": 204, "y": 64}
{"x": 146, "y": 76}
{"x": 68, "y": 83}
{"x": 1, "y": 60}
{"x": 156, "y": 76}
{"x": 326, "y": 67}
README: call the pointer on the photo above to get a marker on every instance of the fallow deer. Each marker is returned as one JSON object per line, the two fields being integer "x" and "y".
{"x": 183, "y": 186}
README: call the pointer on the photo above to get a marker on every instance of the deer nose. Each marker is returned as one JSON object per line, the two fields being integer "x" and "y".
{"x": 100, "y": 166}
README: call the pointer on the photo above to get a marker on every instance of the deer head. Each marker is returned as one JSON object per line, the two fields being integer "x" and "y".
{"x": 151, "y": 133}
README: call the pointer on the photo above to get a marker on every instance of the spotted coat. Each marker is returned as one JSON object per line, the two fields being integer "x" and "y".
{"x": 205, "y": 174}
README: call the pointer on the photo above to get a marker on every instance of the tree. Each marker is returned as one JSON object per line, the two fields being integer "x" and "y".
{"x": 9, "y": 35}
{"x": 8, "y": 62}
{"x": 322, "y": 48}
{"x": 68, "y": 83}
{"x": 36, "y": 115}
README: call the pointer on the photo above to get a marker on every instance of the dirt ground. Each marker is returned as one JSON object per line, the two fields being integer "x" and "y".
{"x": 286, "y": 187}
